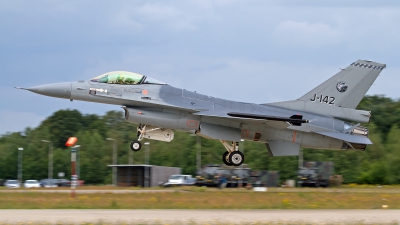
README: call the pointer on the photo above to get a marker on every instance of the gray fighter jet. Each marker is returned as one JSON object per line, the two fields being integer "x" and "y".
{"x": 316, "y": 120}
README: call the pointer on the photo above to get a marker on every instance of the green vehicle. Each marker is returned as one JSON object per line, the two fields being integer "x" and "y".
{"x": 211, "y": 175}
{"x": 315, "y": 174}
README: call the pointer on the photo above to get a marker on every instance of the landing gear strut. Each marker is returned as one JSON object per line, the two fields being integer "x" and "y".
{"x": 232, "y": 156}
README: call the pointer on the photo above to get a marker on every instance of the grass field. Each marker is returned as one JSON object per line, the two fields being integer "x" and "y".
{"x": 207, "y": 198}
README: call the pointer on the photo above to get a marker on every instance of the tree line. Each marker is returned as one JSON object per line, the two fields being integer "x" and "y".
{"x": 378, "y": 164}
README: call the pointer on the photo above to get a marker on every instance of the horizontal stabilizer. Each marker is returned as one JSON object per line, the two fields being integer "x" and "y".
{"x": 295, "y": 120}
{"x": 359, "y": 139}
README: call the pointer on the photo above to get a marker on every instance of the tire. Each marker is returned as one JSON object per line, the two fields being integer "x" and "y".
{"x": 224, "y": 159}
{"x": 136, "y": 146}
{"x": 236, "y": 158}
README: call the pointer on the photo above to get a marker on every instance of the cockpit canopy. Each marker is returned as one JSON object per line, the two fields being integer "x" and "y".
{"x": 126, "y": 78}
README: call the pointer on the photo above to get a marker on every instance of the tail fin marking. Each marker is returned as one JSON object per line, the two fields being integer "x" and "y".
{"x": 347, "y": 88}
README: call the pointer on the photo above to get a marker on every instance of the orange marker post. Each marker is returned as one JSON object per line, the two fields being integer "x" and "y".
{"x": 71, "y": 142}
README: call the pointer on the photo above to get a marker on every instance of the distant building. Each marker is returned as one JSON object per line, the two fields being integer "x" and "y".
{"x": 143, "y": 175}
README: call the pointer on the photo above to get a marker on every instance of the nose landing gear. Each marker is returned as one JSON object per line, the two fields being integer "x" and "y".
{"x": 136, "y": 145}
{"x": 152, "y": 133}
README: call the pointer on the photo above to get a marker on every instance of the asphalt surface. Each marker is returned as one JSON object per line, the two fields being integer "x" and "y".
{"x": 231, "y": 216}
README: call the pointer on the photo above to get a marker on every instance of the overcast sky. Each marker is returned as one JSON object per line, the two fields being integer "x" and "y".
{"x": 252, "y": 51}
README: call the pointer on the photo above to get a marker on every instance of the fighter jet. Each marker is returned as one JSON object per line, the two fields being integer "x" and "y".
{"x": 318, "y": 119}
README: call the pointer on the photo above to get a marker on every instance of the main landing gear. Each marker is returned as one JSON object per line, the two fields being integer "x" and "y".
{"x": 232, "y": 156}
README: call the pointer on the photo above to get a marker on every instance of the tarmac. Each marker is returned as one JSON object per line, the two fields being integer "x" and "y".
{"x": 200, "y": 216}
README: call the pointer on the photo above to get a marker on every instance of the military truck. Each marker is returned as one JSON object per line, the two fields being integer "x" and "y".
{"x": 211, "y": 174}
{"x": 315, "y": 174}
{"x": 264, "y": 178}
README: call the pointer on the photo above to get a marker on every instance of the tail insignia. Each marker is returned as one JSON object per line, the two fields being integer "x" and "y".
{"x": 341, "y": 86}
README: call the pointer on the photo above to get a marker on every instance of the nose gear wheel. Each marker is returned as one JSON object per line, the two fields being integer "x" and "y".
{"x": 136, "y": 145}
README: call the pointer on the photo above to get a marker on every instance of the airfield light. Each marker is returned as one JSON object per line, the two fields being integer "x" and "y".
{"x": 147, "y": 152}
{"x": 147, "y": 172}
{"x": 241, "y": 148}
{"x": 74, "y": 179}
{"x": 198, "y": 155}
{"x": 114, "y": 169}
{"x": 73, "y": 172}
{"x": 78, "y": 160}
{"x": 50, "y": 172}
{"x": 20, "y": 164}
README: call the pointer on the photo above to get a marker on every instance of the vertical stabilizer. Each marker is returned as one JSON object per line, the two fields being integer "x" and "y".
{"x": 347, "y": 88}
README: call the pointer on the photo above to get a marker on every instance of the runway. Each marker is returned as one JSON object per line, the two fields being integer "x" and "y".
{"x": 209, "y": 216}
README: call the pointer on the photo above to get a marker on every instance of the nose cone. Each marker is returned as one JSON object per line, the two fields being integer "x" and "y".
{"x": 59, "y": 90}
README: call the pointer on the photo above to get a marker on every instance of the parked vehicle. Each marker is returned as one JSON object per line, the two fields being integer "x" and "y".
{"x": 48, "y": 183}
{"x": 315, "y": 174}
{"x": 31, "y": 184}
{"x": 212, "y": 174}
{"x": 63, "y": 182}
{"x": 12, "y": 184}
{"x": 180, "y": 180}
{"x": 2, "y": 181}
{"x": 55, "y": 183}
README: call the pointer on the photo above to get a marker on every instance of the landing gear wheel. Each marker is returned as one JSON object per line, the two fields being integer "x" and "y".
{"x": 136, "y": 145}
{"x": 225, "y": 158}
{"x": 236, "y": 158}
